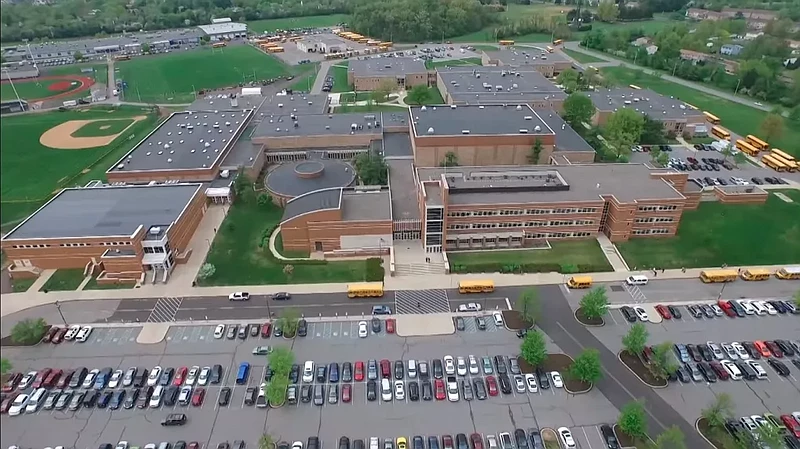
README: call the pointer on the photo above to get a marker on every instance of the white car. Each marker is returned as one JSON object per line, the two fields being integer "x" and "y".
{"x": 732, "y": 369}
{"x": 474, "y": 369}
{"x": 498, "y": 319}
{"x": 729, "y": 351}
{"x": 72, "y": 332}
{"x": 386, "y": 390}
{"x": 127, "y": 379}
{"x": 83, "y": 334}
{"x": 116, "y": 376}
{"x": 202, "y": 379}
{"x": 374, "y": 442}
{"x": 155, "y": 399}
{"x": 491, "y": 442}
{"x": 747, "y": 306}
{"x": 470, "y": 307}
{"x": 122, "y": 445}
{"x": 566, "y": 438}
{"x": 749, "y": 423}
{"x": 155, "y": 375}
{"x": 716, "y": 350}
{"x": 761, "y": 373}
{"x": 297, "y": 445}
{"x": 760, "y": 309}
{"x": 452, "y": 389}
{"x": 185, "y": 395}
{"x": 519, "y": 383}
{"x": 27, "y": 381}
{"x": 219, "y": 331}
{"x": 88, "y": 381}
{"x": 239, "y": 296}
{"x": 191, "y": 377}
{"x": 363, "y": 331}
{"x": 770, "y": 308}
{"x": 717, "y": 310}
{"x": 740, "y": 351}
{"x": 449, "y": 365}
{"x": 461, "y": 366}
{"x": 530, "y": 381}
{"x": 399, "y": 390}
{"x": 641, "y": 313}
{"x": 555, "y": 377}
{"x": 761, "y": 421}
{"x": 19, "y": 404}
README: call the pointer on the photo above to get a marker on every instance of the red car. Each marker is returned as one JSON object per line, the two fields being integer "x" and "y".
{"x": 390, "y": 326}
{"x": 48, "y": 336}
{"x": 40, "y": 377}
{"x": 194, "y": 445}
{"x": 347, "y": 392}
{"x": 720, "y": 370}
{"x": 59, "y": 336}
{"x": 447, "y": 442}
{"x": 180, "y": 376}
{"x": 791, "y": 424}
{"x": 438, "y": 387}
{"x": 359, "y": 375}
{"x": 776, "y": 350}
{"x": 266, "y": 329}
{"x": 491, "y": 385}
{"x": 51, "y": 379}
{"x": 197, "y": 396}
{"x": 11, "y": 383}
{"x": 762, "y": 348}
{"x": 386, "y": 369}
{"x": 477, "y": 441}
{"x": 663, "y": 311}
{"x": 5, "y": 405}
{"x": 727, "y": 308}
{"x": 63, "y": 381}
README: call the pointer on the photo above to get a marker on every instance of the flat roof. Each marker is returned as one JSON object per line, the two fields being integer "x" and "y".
{"x": 121, "y": 41}
{"x": 528, "y": 56}
{"x": 186, "y": 140}
{"x": 312, "y": 201}
{"x": 645, "y": 101}
{"x": 106, "y": 211}
{"x": 386, "y": 67}
{"x": 405, "y": 205}
{"x": 490, "y": 120}
{"x": 223, "y": 27}
{"x": 243, "y": 153}
{"x": 297, "y": 178}
{"x": 567, "y": 139}
{"x": 580, "y": 182}
{"x": 397, "y": 145}
{"x": 216, "y": 101}
{"x": 327, "y": 39}
{"x": 298, "y": 104}
{"x": 487, "y": 85}
{"x": 324, "y": 124}
{"x": 362, "y": 205}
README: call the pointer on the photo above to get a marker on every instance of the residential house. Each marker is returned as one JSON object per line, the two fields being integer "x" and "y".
{"x": 731, "y": 49}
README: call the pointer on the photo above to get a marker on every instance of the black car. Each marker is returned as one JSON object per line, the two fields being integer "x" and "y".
{"x": 779, "y": 367}
{"x": 480, "y": 322}
{"x": 722, "y": 182}
{"x": 413, "y": 391}
{"x": 305, "y": 393}
{"x": 738, "y": 309}
{"x": 347, "y": 372}
{"x": 786, "y": 347}
{"x": 313, "y": 443}
{"x": 460, "y": 323}
{"x": 398, "y": 370}
{"x": 521, "y": 439}
{"x": 130, "y": 399}
{"x": 302, "y": 328}
{"x": 462, "y": 443}
{"x": 544, "y": 381}
{"x": 372, "y": 390}
{"x": 505, "y": 383}
{"x": 166, "y": 376}
{"x": 500, "y": 363}
{"x": 417, "y": 442}
{"x": 438, "y": 372}
{"x": 682, "y": 375}
{"x": 90, "y": 399}
{"x": 707, "y": 372}
{"x": 281, "y": 296}
{"x": 609, "y": 437}
{"x": 694, "y": 353}
{"x": 427, "y": 390}
{"x": 250, "y": 395}
{"x": 676, "y": 312}
{"x": 629, "y": 314}
{"x": 216, "y": 374}
{"x": 750, "y": 347}
{"x": 224, "y": 396}
{"x": 171, "y": 395}
{"x": 144, "y": 397}
{"x": 757, "y": 181}
{"x": 344, "y": 443}
{"x": 321, "y": 373}
{"x": 747, "y": 372}
{"x": 479, "y": 388}
{"x": 104, "y": 399}
{"x": 174, "y": 419}
{"x": 779, "y": 306}
{"x": 77, "y": 377}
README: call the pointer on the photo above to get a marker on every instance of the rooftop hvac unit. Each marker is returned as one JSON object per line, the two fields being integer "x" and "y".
{"x": 155, "y": 230}
{"x": 519, "y": 107}
{"x": 523, "y": 131}
{"x": 464, "y": 131}
{"x": 430, "y": 130}
{"x": 423, "y": 108}
{"x": 452, "y": 106}
{"x": 537, "y": 128}
{"x": 528, "y": 117}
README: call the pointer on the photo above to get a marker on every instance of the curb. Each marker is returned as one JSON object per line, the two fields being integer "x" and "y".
{"x": 575, "y": 315}
{"x": 658, "y": 387}
{"x": 697, "y": 428}
{"x": 591, "y": 385}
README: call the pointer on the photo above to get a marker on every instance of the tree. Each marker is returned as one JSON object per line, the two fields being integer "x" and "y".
{"x": 418, "y": 94}
{"x": 769, "y": 436}
{"x": 578, "y": 109}
{"x": 632, "y": 420}
{"x": 595, "y": 303}
{"x": 528, "y": 305}
{"x": 586, "y": 367}
{"x": 569, "y": 79}
{"x": 28, "y": 331}
{"x": 372, "y": 169}
{"x": 607, "y": 11}
{"x": 636, "y": 339}
{"x": 663, "y": 362}
{"x": 288, "y": 271}
{"x": 772, "y": 127}
{"x": 533, "y": 348}
{"x": 671, "y": 438}
{"x": 652, "y": 131}
{"x": 5, "y": 366}
{"x": 381, "y": 94}
{"x": 623, "y": 130}
{"x": 719, "y": 411}
{"x": 266, "y": 441}
{"x": 288, "y": 322}
{"x": 206, "y": 271}
{"x": 264, "y": 199}
{"x": 658, "y": 157}
{"x": 77, "y": 56}
{"x": 739, "y": 158}
{"x": 145, "y": 48}
{"x": 797, "y": 298}
{"x": 450, "y": 160}
{"x": 280, "y": 361}
{"x": 240, "y": 183}
{"x": 536, "y": 151}
{"x": 276, "y": 390}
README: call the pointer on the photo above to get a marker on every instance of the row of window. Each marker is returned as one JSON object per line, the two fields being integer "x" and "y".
{"x": 519, "y": 224}
{"x": 71, "y": 245}
{"x": 500, "y": 212}
{"x": 557, "y": 235}
{"x": 655, "y": 220}
{"x": 153, "y": 249}
{"x": 658, "y": 208}
{"x": 650, "y": 231}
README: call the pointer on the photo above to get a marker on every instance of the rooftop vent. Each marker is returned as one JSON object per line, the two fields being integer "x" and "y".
{"x": 452, "y": 106}
{"x": 147, "y": 154}
{"x": 423, "y": 108}
{"x": 519, "y": 107}
{"x": 481, "y": 107}
{"x": 169, "y": 160}
{"x": 464, "y": 131}
{"x": 430, "y": 130}
{"x": 537, "y": 128}
{"x": 523, "y": 131}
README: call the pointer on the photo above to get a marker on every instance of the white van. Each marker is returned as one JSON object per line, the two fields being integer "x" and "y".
{"x": 308, "y": 372}
{"x": 636, "y": 280}
{"x": 732, "y": 369}
{"x": 83, "y": 334}
{"x": 412, "y": 369}
{"x": 36, "y": 400}
{"x": 386, "y": 390}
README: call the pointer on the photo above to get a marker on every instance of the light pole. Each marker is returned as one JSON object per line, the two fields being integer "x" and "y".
{"x": 58, "y": 306}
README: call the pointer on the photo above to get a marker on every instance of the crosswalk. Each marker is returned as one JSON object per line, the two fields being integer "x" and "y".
{"x": 421, "y": 301}
{"x": 165, "y": 309}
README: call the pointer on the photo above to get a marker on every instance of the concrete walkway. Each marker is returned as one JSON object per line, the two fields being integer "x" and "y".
{"x": 276, "y": 253}
{"x": 40, "y": 281}
{"x": 612, "y": 254}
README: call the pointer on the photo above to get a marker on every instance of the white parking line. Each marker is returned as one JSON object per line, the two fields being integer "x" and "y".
{"x": 613, "y": 319}
{"x": 587, "y": 437}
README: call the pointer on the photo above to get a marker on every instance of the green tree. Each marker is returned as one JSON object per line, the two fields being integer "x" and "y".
{"x": 569, "y": 78}
{"x": 636, "y": 339}
{"x": 586, "y": 367}
{"x": 275, "y": 391}
{"x": 264, "y": 200}
{"x": 727, "y": 151}
{"x": 536, "y": 151}
{"x": 772, "y": 127}
{"x": 266, "y": 441}
{"x": 450, "y": 160}
{"x": 578, "y": 109}
{"x": 739, "y": 158}
{"x": 288, "y": 271}
{"x": 372, "y": 169}
{"x": 5, "y": 366}
{"x": 288, "y": 322}
{"x": 658, "y": 157}
{"x": 529, "y": 305}
{"x": 719, "y": 411}
{"x": 607, "y": 11}
{"x": 533, "y": 348}
{"x": 652, "y": 131}
{"x": 206, "y": 271}
{"x": 797, "y": 298}
{"x": 595, "y": 303}
{"x": 77, "y": 56}
{"x": 29, "y": 331}
{"x": 663, "y": 362}
{"x": 671, "y": 438}
{"x": 623, "y": 130}
{"x": 770, "y": 436}
{"x": 418, "y": 94}
{"x": 241, "y": 184}
{"x": 280, "y": 360}
{"x": 145, "y": 48}
{"x": 794, "y": 114}
{"x": 632, "y": 420}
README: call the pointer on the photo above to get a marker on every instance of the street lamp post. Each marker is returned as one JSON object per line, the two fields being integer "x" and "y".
{"x": 58, "y": 306}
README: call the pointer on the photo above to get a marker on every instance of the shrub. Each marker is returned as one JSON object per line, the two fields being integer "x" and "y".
{"x": 374, "y": 269}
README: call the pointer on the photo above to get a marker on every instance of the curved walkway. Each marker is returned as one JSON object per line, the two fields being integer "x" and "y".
{"x": 274, "y": 250}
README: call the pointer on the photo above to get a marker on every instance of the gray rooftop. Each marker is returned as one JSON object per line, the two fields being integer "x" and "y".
{"x": 243, "y": 153}
{"x": 223, "y": 28}
{"x": 495, "y": 85}
{"x": 386, "y": 67}
{"x": 186, "y": 140}
{"x": 83, "y": 45}
{"x": 566, "y": 137}
{"x": 478, "y": 120}
{"x": 217, "y": 101}
{"x": 322, "y": 124}
{"x": 522, "y": 185}
{"x": 363, "y": 205}
{"x": 397, "y": 145}
{"x": 297, "y": 104}
{"x": 327, "y": 39}
{"x": 657, "y": 106}
{"x": 526, "y": 57}
{"x": 106, "y": 211}
{"x": 405, "y": 205}
{"x": 313, "y": 201}
{"x": 291, "y": 179}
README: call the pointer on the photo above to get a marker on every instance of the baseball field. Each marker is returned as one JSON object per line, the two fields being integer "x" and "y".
{"x": 174, "y": 77}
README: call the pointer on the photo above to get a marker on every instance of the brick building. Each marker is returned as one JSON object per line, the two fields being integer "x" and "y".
{"x": 369, "y": 74}
{"x": 496, "y": 85}
{"x": 544, "y": 62}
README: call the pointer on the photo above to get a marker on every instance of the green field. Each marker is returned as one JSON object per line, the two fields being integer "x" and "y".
{"x": 175, "y": 77}
{"x": 578, "y": 252}
{"x": 102, "y": 128}
{"x": 99, "y": 74}
{"x": 339, "y": 74}
{"x": 717, "y": 234}
{"x": 739, "y": 118}
{"x": 29, "y": 90}
{"x": 305, "y": 75}
{"x": 260, "y": 26}
{"x": 64, "y": 280}
{"x": 581, "y": 57}
{"x": 452, "y": 63}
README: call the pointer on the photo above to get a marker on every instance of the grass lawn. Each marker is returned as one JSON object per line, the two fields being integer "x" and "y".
{"x": 102, "y": 128}
{"x": 350, "y": 97}
{"x": 30, "y": 89}
{"x": 562, "y": 253}
{"x": 581, "y": 57}
{"x": 63, "y": 280}
{"x": 305, "y": 77}
{"x": 22, "y": 285}
{"x": 452, "y": 63}
{"x": 339, "y": 74}
{"x": 240, "y": 260}
{"x": 174, "y": 77}
{"x": 368, "y": 108}
{"x": 332, "y": 20}
{"x": 93, "y": 285}
{"x": 717, "y": 234}
{"x": 99, "y": 74}
{"x": 739, "y": 118}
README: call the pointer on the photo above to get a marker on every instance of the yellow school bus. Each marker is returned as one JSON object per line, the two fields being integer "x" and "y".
{"x": 579, "y": 282}
{"x": 218, "y": 45}
{"x": 773, "y": 163}
{"x": 777, "y": 152}
{"x": 792, "y": 272}
{"x": 387, "y": 44}
{"x": 756, "y": 274}
{"x": 720, "y": 132}
{"x": 791, "y": 166}
{"x": 756, "y": 142}
{"x": 365, "y": 290}
{"x": 558, "y": 42}
{"x": 484, "y": 286}
{"x": 506, "y": 42}
{"x": 275, "y": 49}
{"x": 550, "y": 49}
{"x": 743, "y": 146}
{"x": 710, "y": 276}
{"x": 713, "y": 119}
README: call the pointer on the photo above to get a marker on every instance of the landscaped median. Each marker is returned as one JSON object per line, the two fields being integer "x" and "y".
{"x": 583, "y": 256}
{"x": 550, "y": 438}
{"x": 661, "y": 360}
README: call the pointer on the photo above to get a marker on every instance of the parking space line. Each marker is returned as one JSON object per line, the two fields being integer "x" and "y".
{"x": 587, "y": 437}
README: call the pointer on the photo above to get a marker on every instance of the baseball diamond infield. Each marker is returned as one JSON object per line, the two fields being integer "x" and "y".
{"x": 83, "y": 134}
{"x": 46, "y": 88}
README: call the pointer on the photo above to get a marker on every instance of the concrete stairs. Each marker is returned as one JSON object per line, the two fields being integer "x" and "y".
{"x": 419, "y": 269}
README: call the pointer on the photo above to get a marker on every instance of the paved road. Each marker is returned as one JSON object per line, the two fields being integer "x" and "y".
{"x": 111, "y": 84}
{"x": 324, "y": 67}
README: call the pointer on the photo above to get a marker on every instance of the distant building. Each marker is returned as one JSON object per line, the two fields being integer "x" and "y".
{"x": 731, "y": 49}
{"x": 369, "y": 74}
{"x": 696, "y": 56}
{"x": 651, "y": 49}
{"x": 497, "y": 85}
{"x": 224, "y": 29}
{"x": 321, "y": 44}
{"x": 642, "y": 41}
{"x": 544, "y": 62}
